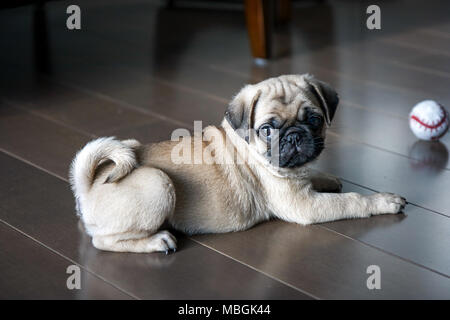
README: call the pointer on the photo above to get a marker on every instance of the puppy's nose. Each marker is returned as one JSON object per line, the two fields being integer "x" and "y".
{"x": 294, "y": 138}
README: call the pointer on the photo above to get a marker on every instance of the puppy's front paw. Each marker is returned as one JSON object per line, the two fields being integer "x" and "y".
{"x": 383, "y": 203}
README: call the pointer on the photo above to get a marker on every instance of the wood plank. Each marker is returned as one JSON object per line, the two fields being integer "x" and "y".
{"x": 365, "y": 68}
{"x": 326, "y": 264}
{"x": 30, "y": 271}
{"x": 420, "y": 40}
{"x": 46, "y": 144}
{"x": 436, "y": 62}
{"x": 77, "y": 109}
{"x": 417, "y": 235}
{"x": 91, "y": 114}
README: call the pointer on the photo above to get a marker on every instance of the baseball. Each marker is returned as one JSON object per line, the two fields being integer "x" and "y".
{"x": 428, "y": 120}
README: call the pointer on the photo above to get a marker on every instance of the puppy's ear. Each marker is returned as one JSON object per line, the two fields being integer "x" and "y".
{"x": 326, "y": 95}
{"x": 239, "y": 113}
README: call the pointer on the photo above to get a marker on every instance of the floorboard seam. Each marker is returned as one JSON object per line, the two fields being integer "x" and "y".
{"x": 411, "y": 203}
{"x": 121, "y": 103}
{"x": 12, "y": 155}
{"x": 21, "y": 106}
{"x": 331, "y": 131}
{"x": 258, "y": 270}
{"x": 384, "y": 251}
{"x": 412, "y": 46}
{"x": 69, "y": 259}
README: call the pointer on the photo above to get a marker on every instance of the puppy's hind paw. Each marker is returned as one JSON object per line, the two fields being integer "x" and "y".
{"x": 163, "y": 241}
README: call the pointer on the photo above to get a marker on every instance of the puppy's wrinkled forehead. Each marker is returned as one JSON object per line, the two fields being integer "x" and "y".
{"x": 287, "y": 96}
{"x": 285, "y": 88}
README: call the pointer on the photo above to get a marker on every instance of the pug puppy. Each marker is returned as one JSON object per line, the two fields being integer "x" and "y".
{"x": 249, "y": 170}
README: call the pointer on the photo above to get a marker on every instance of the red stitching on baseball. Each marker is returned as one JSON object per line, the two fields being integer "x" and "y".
{"x": 444, "y": 118}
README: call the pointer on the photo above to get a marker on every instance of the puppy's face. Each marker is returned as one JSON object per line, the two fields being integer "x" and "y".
{"x": 284, "y": 119}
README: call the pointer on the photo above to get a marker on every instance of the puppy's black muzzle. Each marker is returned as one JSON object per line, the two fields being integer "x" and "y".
{"x": 297, "y": 147}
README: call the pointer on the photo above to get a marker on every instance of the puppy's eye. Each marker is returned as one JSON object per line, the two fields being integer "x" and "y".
{"x": 315, "y": 121}
{"x": 265, "y": 130}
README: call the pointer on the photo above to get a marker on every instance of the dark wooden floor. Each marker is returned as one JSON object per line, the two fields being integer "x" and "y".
{"x": 140, "y": 70}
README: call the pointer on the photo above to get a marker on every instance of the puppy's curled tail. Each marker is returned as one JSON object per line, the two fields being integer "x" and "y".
{"x": 87, "y": 160}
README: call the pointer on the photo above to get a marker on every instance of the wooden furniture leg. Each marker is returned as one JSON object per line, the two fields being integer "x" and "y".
{"x": 258, "y": 17}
